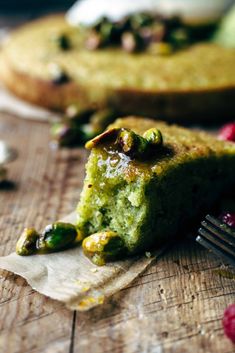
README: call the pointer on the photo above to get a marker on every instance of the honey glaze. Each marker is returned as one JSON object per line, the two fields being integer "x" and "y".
{"x": 118, "y": 163}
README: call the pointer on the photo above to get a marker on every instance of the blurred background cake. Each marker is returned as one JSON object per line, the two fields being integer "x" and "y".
{"x": 162, "y": 59}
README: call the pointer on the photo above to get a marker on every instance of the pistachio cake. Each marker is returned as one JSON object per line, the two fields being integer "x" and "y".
{"x": 194, "y": 83}
{"x": 145, "y": 198}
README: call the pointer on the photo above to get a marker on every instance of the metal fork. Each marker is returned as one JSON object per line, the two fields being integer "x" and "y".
{"x": 218, "y": 238}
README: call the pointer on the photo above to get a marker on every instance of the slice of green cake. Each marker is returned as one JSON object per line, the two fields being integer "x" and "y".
{"x": 145, "y": 198}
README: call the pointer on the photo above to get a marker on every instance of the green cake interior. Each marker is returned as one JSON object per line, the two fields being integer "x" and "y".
{"x": 146, "y": 202}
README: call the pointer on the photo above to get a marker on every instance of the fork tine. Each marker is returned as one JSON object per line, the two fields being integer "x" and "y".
{"x": 217, "y": 241}
{"x": 218, "y": 238}
{"x": 222, "y": 226}
{"x": 215, "y": 250}
{"x": 219, "y": 232}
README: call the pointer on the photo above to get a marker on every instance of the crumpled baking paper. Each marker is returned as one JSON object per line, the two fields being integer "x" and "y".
{"x": 13, "y": 105}
{"x": 71, "y": 278}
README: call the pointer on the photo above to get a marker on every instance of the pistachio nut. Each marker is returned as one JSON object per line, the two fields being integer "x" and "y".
{"x": 57, "y": 236}
{"x": 26, "y": 245}
{"x": 154, "y": 137}
{"x": 103, "y": 246}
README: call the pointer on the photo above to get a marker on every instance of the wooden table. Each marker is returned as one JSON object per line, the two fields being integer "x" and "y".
{"x": 175, "y": 306}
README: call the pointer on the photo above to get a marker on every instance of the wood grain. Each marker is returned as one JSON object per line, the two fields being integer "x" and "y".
{"x": 175, "y": 306}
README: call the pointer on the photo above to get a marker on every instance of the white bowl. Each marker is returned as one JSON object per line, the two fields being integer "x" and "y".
{"x": 199, "y": 11}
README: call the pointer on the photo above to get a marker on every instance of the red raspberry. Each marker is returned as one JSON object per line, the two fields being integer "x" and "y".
{"x": 229, "y": 322}
{"x": 227, "y": 132}
{"x": 229, "y": 219}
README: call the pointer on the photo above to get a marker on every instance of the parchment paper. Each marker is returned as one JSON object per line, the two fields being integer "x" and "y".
{"x": 13, "y": 105}
{"x": 71, "y": 278}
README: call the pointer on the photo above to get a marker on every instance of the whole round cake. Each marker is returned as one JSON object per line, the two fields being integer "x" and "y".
{"x": 195, "y": 83}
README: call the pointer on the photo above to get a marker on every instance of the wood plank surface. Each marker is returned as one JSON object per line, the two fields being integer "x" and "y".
{"x": 175, "y": 306}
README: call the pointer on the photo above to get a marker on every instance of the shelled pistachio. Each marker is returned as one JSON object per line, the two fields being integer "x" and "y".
{"x": 154, "y": 136}
{"x": 55, "y": 237}
{"x": 107, "y": 136}
{"x": 132, "y": 144}
{"x": 77, "y": 127}
{"x": 68, "y": 133}
{"x": 128, "y": 142}
{"x": 27, "y": 243}
{"x": 62, "y": 41}
{"x": 103, "y": 246}
{"x": 132, "y": 42}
